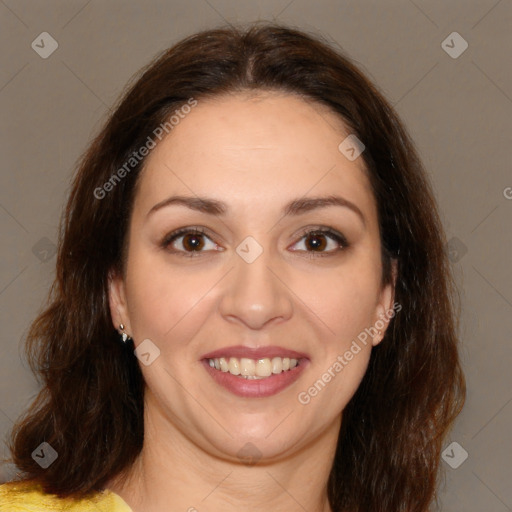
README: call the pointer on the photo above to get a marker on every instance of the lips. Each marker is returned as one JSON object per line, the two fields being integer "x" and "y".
{"x": 255, "y": 353}
{"x": 260, "y": 387}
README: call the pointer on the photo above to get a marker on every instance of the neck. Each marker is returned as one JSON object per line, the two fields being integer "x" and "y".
{"x": 173, "y": 474}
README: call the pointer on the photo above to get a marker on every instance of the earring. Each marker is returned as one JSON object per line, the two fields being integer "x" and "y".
{"x": 124, "y": 337}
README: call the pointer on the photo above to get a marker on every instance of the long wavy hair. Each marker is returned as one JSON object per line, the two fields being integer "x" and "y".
{"x": 90, "y": 407}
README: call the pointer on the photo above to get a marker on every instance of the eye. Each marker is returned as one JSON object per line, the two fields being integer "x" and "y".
{"x": 188, "y": 242}
{"x": 321, "y": 242}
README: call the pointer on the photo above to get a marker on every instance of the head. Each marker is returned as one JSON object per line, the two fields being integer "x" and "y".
{"x": 345, "y": 256}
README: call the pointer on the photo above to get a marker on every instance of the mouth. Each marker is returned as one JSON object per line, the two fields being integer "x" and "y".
{"x": 255, "y": 372}
{"x": 253, "y": 368}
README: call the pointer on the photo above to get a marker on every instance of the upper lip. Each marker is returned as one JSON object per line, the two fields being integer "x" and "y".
{"x": 254, "y": 352}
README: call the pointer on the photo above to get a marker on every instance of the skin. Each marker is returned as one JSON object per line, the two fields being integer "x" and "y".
{"x": 256, "y": 153}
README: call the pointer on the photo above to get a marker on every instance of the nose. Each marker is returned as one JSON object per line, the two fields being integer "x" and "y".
{"x": 255, "y": 294}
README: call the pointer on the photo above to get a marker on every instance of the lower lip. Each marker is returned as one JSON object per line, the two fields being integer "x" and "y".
{"x": 256, "y": 388}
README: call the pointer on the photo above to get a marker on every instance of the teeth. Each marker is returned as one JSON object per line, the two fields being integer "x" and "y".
{"x": 234, "y": 366}
{"x": 224, "y": 365}
{"x": 264, "y": 367}
{"x": 247, "y": 367}
{"x": 277, "y": 365}
{"x": 253, "y": 368}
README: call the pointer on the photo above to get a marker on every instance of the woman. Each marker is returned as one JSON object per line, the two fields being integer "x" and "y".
{"x": 253, "y": 305}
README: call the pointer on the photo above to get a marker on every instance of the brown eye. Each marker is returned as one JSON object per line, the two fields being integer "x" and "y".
{"x": 321, "y": 242}
{"x": 316, "y": 242}
{"x": 188, "y": 242}
{"x": 193, "y": 242}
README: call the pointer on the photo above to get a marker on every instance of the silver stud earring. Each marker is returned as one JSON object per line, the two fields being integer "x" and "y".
{"x": 124, "y": 337}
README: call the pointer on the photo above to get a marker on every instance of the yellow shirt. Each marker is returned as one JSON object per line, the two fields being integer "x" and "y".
{"x": 28, "y": 497}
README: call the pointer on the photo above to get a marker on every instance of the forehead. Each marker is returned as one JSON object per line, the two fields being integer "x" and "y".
{"x": 257, "y": 149}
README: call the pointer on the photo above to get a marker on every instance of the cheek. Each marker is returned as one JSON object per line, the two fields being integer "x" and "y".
{"x": 162, "y": 300}
{"x": 343, "y": 300}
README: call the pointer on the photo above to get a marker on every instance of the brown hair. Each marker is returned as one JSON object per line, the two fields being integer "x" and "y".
{"x": 90, "y": 409}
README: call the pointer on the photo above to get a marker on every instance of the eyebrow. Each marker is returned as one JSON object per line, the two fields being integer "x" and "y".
{"x": 295, "y": 207}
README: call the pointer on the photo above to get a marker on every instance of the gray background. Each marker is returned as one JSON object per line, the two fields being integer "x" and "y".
{"x": 457, "y": 110}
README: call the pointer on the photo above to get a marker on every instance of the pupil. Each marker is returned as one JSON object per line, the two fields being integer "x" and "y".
{"x": 316, "y": 242}
{"x": 192, "y": 242}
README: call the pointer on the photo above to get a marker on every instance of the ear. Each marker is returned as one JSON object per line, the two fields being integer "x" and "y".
{"x": 117, "y": 301}
{"x": 386, "y": 308}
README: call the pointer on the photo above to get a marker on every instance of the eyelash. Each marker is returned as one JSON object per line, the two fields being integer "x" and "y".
{"x": 328, "y": 232}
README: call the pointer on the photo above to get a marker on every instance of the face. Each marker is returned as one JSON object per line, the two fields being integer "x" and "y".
{"x": 256, "y": 278}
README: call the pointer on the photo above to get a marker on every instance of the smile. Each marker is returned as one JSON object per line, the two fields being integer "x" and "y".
{"x": 251, "y": 385}
{"x": 253, "y": 368}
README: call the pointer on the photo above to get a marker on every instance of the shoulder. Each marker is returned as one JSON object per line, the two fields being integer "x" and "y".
{"x": 29, "y": 497}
